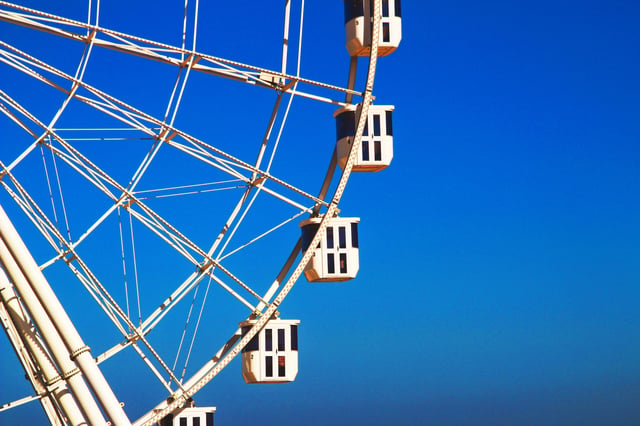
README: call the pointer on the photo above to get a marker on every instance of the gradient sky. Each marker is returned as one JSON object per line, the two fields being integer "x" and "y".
{"x": 500, "y": 252}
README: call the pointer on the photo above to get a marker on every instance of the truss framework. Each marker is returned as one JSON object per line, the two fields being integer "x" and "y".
{"x": 251, "y": 178}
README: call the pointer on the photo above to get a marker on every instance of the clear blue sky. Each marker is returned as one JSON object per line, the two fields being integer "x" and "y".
{"x": 500, "y": 272}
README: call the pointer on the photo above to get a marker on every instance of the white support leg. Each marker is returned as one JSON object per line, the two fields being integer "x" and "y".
{"x": 53, "y": 383}
{"x": 45, "y": 398}
{"x": 62, "y": 357}
{"x": 46, "y": 298}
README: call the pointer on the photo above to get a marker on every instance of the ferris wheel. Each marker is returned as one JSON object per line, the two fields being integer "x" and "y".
{"x": 168, "y": 174}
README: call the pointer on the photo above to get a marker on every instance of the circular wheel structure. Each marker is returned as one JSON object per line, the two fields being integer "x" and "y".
{"x": 156, "y": 159}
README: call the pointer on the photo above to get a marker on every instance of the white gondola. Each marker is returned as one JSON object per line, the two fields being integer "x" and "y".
{"x": 272, "y": 355}
{"x": 376, "y": 150}
{"x": 358, "y": 25}
{"x": 336, "y": 257}
{"x": 191, "y": 416}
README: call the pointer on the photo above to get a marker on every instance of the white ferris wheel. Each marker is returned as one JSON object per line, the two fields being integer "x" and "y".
{"x": 166, "y": 179}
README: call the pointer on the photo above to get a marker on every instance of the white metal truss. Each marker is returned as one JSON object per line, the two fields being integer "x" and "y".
{"x": 249, "y": 178}
{"x": 171, "y": 55}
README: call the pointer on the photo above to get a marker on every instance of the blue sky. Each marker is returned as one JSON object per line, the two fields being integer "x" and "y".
{"x": 499, "y": 279}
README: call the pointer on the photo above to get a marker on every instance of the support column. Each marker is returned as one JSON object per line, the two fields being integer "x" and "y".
{"x": 43, "y": 393}
{"x": 48, "y": 300}
{"x": 61, "y": 355}
{"x": 53, "y": 383}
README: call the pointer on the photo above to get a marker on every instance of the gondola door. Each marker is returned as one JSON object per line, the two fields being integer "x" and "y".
{"x": 268, "y": 355}
{"x": 274, "y": 356}
{"x": 337, "y": 250}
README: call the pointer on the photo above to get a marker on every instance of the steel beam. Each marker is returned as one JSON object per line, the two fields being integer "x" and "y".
{"x": 46, "y": 310}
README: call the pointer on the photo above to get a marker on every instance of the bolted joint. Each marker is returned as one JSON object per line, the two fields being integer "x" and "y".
{"x": 69, "y": 374}
{"x": 204, "y": 266}
{"x": 78, "y": 352}
{"x": 257, "y": 181}
{"x": 69, "y": 256}
{"x": 51, "y": 382}
{"x": 134, "y": 337}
